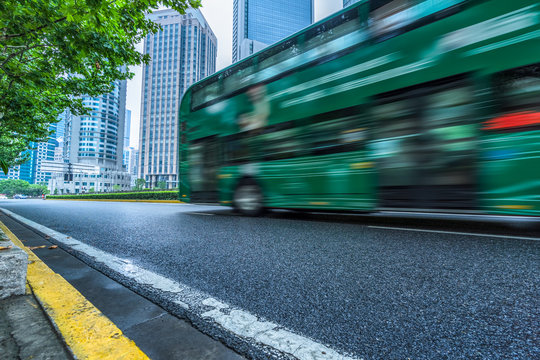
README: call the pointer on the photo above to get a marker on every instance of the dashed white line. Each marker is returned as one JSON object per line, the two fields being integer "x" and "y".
{"x": 455, "y": 233}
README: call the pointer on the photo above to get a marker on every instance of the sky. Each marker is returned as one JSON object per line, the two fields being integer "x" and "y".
{"x": 219, "y": 15}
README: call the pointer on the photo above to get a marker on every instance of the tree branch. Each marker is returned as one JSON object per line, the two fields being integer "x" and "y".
{"x": 11, "y": 36}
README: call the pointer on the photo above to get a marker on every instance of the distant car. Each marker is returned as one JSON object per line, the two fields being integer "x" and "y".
{"x": 20, "y": 196}
{"x": 3, "y": 197}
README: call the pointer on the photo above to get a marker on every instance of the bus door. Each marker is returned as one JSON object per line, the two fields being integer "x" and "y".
{"x": 204, "y": 159}
{"x": 425, "y": 147}
{"x": 344, "y": 177}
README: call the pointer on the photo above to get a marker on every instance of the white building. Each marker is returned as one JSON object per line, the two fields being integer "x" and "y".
{"x": 68, "y": 178}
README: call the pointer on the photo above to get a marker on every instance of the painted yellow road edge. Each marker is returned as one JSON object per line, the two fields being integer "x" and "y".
{"x": 87, "y": 332}
{"x": 127, "y": 200}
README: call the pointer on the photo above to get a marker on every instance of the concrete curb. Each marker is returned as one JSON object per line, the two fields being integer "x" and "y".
{"x": 13, "y": 264}
{"x": 87, "y": 333}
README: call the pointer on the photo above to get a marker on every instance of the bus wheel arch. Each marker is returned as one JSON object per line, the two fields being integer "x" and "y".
{"x": 248, "y": 197}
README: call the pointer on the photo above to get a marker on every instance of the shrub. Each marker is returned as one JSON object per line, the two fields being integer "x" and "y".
{"x": 146, "y": 195}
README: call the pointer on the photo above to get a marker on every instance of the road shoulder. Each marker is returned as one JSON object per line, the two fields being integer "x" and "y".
{"x": 86, "y": 331}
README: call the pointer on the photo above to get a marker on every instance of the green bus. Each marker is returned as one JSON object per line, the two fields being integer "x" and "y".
{"x": 385, "y": 105}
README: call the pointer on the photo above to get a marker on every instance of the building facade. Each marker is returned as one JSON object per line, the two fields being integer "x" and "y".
{"x": 92, "y": 148}
{"x": 68, "y": 178}
{"x": 127, "y": 129}
{"x": 31, "y": 171}
{"x": 183, "y": 52}
{"x": 50, "y": 150}
{"x": 259, "y": 23}
{"x": 98, "y": 138}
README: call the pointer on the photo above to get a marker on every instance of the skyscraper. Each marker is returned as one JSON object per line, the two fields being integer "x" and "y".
{"x": 127, "y": 129}
{"x": 349, "y": 2}
{"x": 93, "y": 147}
{"x": 259, "y": 23}
{"x": 98, "y": 138}
{"x": 47, "y": 150}
{"x": 182, "y": 53}
{"x": 31, "y": 170}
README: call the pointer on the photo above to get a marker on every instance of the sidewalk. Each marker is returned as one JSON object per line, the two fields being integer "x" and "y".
{"x": 88, "y": 315}
{"x": 25, "y": 331}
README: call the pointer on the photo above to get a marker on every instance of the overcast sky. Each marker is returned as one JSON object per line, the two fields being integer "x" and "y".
{"x": 219, "y": 14}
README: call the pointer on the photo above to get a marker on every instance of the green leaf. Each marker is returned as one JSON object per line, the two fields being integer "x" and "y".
{"x": 5, "y": 167}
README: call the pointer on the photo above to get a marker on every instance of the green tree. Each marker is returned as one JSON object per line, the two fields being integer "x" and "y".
{"x": 91, "y": 190}
{"x": 116, "y": 188}
{"x": 52, "y": 52}
{"x": 161, "y": 185}
{"x": 140, "y": 184}
{"x": 11, "y": 187}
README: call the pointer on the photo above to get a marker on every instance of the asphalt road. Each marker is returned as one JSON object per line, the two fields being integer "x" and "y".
{"x": 345, "y": 281}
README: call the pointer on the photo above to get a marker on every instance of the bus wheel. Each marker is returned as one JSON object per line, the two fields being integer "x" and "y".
{"x": 248, "y": 198}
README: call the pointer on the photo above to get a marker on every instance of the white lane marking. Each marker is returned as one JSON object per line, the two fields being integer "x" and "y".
{"x": 237, "y": 321}
{"x": 455, "y": 233}
{"x": 199, "y": 213}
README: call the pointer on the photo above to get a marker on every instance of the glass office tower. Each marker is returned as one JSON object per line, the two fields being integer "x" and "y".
{"x": 183, "y": 52}
{"x": 259, "y": 23}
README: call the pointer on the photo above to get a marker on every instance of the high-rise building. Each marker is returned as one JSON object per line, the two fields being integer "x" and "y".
{"x": 349, "y": 2}
{"x": 183, "y": 52}
{"x": 31, "y": 170}
{"x": 127, "y": 129}
{"x": 94, "y": 141}
{"x": 259, "y": 23}
{"x": 98, "y": 138}
{"x": 46, "y": 151}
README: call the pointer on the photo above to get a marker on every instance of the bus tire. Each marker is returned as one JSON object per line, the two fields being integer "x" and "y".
{"x": 248, "y": 198}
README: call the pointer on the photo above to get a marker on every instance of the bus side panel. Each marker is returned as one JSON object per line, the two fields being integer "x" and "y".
{"x": 344, "y": 181}
{"x": 510, "y": 173}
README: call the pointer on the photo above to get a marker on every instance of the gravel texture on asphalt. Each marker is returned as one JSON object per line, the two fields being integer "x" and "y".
{"x": 375, "y": 293}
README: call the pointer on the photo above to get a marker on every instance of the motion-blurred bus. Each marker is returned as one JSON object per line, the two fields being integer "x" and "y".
{"x": 385, "y": 105}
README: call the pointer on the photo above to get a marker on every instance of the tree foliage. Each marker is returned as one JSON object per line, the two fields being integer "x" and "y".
{"x": 140, "y": 184}
{"x": 54, "y": 51}
{"x": 161, "y": 185}
{"x": 11, "y": 187}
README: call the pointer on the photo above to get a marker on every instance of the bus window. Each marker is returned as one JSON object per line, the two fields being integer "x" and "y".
{"x": 395, "y": 141}
{"x": 239, "y": 78}
{"x": 518, "y": 91}
{"x": 276, "y": 59}
{"x": 204, "y": 159}
{"x": 236, "y": 149}
{"x": 205, "y": 94}
{"x": 332, "y": 29}
{"x": 338, "y": 135}
{"x": 282, "y": 144}
{"x": 389, "y": 18}
{"x": 450, "y": 133}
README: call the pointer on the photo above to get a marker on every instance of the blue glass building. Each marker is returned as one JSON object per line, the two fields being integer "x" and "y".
{"x": 259, "y": 23}
{"x": 31, "y": 170}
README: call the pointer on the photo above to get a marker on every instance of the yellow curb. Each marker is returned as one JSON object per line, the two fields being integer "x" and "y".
{"x": 87, "y": 332}
{"x": 128, "y": 200}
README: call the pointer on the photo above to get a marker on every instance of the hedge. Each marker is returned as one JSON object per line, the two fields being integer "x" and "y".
{"x": 147, "y": 195}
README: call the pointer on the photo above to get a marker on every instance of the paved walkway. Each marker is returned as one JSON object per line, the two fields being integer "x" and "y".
{"x": 26, "y": 333}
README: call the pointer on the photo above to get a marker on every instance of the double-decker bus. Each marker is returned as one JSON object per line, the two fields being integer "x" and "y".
{"x": 403, "y": 104}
